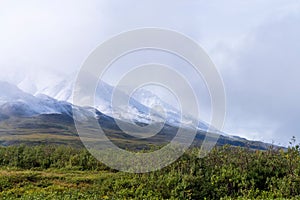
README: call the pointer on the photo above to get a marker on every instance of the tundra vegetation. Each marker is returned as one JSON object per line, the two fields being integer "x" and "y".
{"x": 64, "y": 172}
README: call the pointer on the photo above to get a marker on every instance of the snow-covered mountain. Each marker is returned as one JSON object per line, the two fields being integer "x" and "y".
{"x": 138, "y": 110}
{"x": 25, "y": 114}
{"x": 134, "y": 112}
{"x": 13, "y": 101}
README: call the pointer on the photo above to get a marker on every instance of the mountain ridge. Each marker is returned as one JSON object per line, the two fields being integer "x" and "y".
{"x": 29, "y": 119}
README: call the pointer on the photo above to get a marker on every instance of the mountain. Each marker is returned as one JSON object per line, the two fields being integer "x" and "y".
{"x": 14, "y": 101}
{"x": 40, "y": 119}
{"x": 139, "y": 109}
{"x": 136, "y": 111}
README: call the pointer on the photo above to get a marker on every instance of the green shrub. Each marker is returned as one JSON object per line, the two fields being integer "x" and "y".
{"x": 63, "y": 172}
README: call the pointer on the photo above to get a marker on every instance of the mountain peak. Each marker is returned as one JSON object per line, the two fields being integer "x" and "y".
{"x": 10, "y": 92}
{"x": 18, "y": 103}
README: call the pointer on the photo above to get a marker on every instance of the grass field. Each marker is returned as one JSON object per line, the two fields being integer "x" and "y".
{"x": 74, "y": 184}
{"x": 54, "y": 184}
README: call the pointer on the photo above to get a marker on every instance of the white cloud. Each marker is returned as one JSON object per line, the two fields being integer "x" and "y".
{"x": 242, "y": 38}
{"x": 265, "y": 86}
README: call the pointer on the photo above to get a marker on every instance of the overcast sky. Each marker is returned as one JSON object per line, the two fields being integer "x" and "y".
{"x": 255, "y": 45}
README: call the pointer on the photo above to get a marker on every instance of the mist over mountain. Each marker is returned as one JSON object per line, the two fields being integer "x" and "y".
{"x": 36, "y": 119}
{"x": 140, "y": 108}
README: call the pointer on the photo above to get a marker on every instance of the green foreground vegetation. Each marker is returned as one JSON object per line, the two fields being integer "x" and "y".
{"x": 61, "y": 172}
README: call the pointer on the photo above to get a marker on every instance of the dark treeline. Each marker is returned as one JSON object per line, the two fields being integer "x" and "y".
{"x": 227, "y": 172}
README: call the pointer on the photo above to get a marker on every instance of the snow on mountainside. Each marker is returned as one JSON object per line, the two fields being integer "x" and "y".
{"x": 135, "y": 112}
{"x": 139, "y": 109}
{"x": 173, "y": 114}
{"x": 14, "y": 101}
{"x": 38, "y": 112}
{"x": 9, "y": 92}
{"x": 149, "y": 99}
{"x": 61, "y": 91}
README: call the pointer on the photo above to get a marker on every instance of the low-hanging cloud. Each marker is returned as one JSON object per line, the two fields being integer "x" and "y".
{"x": 255, "y": 45}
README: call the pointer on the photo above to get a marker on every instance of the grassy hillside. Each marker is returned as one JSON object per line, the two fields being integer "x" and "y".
{"x": 58, "y": 129}
{"x": 61, "y": 172}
